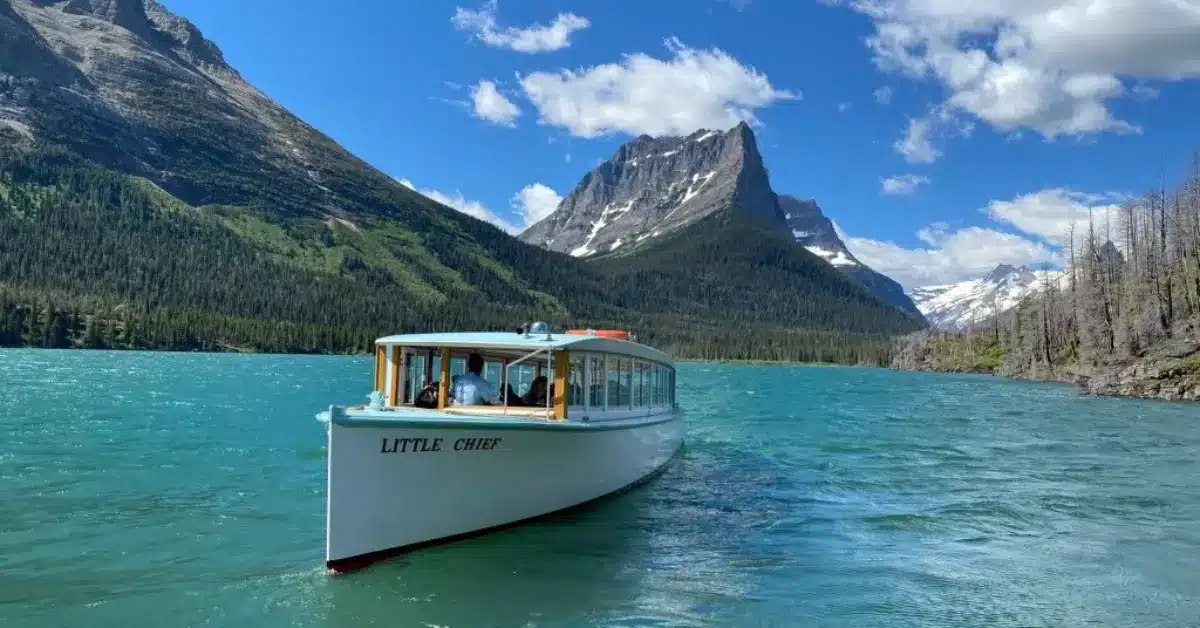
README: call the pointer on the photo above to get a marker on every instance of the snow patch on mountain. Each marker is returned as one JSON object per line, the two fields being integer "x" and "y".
{"x": 837, "y": 258}
{"x": 960, "y": 305}
{"x": 610, "y": 213}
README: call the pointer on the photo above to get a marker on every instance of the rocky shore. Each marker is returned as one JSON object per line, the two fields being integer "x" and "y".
{"x": 1170, "y": 371}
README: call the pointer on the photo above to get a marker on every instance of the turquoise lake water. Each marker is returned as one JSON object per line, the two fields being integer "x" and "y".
{"x": 157, "y": 489}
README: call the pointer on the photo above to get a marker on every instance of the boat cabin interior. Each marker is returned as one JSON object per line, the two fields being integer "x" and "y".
{"x": 554, "y": 382}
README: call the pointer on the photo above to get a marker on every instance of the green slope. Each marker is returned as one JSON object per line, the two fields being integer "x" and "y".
{"x": 101, "y": 258}
{"x": 730, "y": 265}
{"x": 167, "y": 203}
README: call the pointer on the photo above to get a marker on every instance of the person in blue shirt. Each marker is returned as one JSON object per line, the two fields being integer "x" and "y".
{"x": 470, "y": 388}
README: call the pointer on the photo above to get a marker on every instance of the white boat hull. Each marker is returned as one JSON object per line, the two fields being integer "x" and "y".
{"x": 397, "y": 485}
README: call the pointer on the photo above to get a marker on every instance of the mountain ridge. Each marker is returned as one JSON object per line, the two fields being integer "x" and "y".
{"x": 813, "y": 230}
{"x": 651, "y": 186}
{"x": 141, "y": 167}
{"x": 654, "y": 185}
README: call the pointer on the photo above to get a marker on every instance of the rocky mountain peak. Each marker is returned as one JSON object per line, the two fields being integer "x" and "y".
{"x": 145, "y": 88}
{"x": 651, "y": 186}
{"x": 1007, "y": 274}
{"x": 187, "y": 39}
{"x": 1000, "y": 272}
{"x": 147, "y": 20}
{"x": 813, "y": 230}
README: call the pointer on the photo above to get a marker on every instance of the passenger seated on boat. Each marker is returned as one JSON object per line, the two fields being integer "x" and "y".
{"x": 470, "y": 388}
{"x": 513, "y": 398}
{"x": 536, "y": 396}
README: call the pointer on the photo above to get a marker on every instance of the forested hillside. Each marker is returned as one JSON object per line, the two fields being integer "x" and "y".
{"x": 1124, "y": 318}
{"x": 95, "y": 258}
{"x": 150, "y": 197}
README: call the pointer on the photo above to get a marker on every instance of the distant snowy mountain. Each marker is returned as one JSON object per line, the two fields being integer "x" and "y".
{"x": 958, "y": 305}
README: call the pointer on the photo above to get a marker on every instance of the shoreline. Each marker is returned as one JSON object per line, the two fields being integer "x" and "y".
{"x": 1175, "y": 380}
{"x": 1142, "y": 379}
{"x": 367, "y": 354}
{"x": 757, "y": 362}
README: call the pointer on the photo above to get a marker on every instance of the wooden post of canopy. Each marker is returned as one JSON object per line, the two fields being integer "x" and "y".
{"x": 561, "y": 362}
{"x": 397, "y": 366}
{"x": 444, "y": 384}
{"x": 379, "y": 362}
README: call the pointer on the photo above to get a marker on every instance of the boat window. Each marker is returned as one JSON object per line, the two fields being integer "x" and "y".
{"x": 651, "y": 383}
{"x": 521, "y": 377}
{"x": 575, "y": 381}
{"x": 491, "y": 372}
{"x": 414, "y": 375}
{"x": 664, "y": 374}
{"x": 655, "y": 384}
{"x": 641, "y": 384}
{"x": 613, "y": 377}
{"x": 626, "y": 398}
{"x": 595, "y": 378}
{"x": 666, "y": 377}
{"x": 671, "y": 387}
{"x": 635, "y": 384}
{"x": 649, "y": 376}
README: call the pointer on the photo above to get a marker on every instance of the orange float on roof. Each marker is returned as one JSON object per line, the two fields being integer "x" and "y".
{"x": 619, "y": 334}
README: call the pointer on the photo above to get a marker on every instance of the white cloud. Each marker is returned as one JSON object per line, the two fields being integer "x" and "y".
{"x": 1051, "y": 66}
{"x": 464, "y": 205}
{"x": 493, "y": 106}
{"x": 531, "y": 39}
{"x": 917, "y": 144}
{"x": 903, "y": 184}
{"x": 950, "y": 257}
{"x": 883, "y": 95}
{"x": 534, "y": 202}
{"x": 1050, "y": 213}
{"x": 843, "y": 107}
{"x": 641, "y": 94}
{"x": 1145, "y": 92}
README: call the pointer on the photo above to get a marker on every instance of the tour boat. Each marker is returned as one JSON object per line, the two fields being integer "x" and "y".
{"x": 414, "y": 467}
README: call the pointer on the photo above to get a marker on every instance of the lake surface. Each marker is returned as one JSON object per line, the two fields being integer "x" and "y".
{"x": 158, "y": 489}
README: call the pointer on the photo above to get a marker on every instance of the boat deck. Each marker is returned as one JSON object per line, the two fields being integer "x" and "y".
{"x": 516, "y": 412}
{"x": 493, "y": 417}
{"x": 489, "y": 412}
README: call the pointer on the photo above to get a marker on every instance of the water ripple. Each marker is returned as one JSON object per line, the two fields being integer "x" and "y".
{"x": 187, "y": 489}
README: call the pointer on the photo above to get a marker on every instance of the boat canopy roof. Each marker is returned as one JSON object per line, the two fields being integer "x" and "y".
{"x": 532, "y": 342}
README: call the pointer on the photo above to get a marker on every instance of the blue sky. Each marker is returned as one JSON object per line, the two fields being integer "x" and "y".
{"x": 997, "y": 122}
